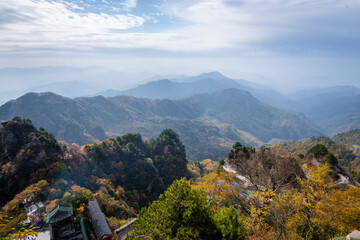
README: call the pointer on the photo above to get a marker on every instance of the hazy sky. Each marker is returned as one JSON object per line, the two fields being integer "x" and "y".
{"x": 285, "y": 43}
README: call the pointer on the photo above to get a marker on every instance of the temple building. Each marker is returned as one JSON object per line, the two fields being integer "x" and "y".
{"x": 64, "y": 226}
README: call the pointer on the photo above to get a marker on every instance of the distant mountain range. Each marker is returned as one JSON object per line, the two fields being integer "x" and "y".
{"x": 66, "y": 81}
{"x": 208, "y": 124}
{"x": 210, "y": 111}
{"x": 333, "y": 109}
{"x": 204, "y": 83}
{"x": 60, "y": 115}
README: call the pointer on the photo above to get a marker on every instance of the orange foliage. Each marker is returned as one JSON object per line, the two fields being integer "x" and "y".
{"x": 51, "y": 205}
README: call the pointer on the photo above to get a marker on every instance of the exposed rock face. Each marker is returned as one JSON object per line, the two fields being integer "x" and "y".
{"x": 354, "y": 235}
{"x": 123, "y": 231}
{"x": 231, "y": 168}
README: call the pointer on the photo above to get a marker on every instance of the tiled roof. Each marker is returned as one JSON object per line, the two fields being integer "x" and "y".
{"x": 98, "y": 221}
{"x": 59, "y": 213}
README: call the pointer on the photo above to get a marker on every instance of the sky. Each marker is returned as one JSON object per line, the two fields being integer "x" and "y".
{"x": 287, "y": 44}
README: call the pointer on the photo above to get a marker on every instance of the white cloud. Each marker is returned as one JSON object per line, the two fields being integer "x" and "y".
{"x": 40, "y": 23}
{"x": 205, "y": 25}
{"x": 129, "y": 4}
{"x": 229, "y": 23}
{"x": 232, "y": 36}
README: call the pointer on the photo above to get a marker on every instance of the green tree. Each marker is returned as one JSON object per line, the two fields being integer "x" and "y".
{"x": 78, "y": 197}
{"x": 221, "y": 162}
{"x": 318, "y": 150}
{"x": 169, "y": 156}
{"x": 181, "y": 213}
{"x": 331, "y": 159}
{"x": 230, "y": 224}
{"x": 168, "y": 137}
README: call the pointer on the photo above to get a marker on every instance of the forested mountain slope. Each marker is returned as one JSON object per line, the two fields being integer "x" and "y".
{"x": 143, "y": 169}
{"x": 335, "y": 109}
{"x": 349, "y": 157}
{"x": 207, "y": 124}
{"x": 337, "y": 116}
{"x": 65, "y": 118}
{"x": 350, "y": 138}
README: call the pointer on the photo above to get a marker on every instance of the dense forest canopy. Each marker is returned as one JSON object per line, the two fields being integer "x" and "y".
{"x": 294, "y": 190}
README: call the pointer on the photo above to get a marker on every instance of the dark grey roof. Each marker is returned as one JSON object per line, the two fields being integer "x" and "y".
{"x": 60, "y": 212}
{"x": 98, "y": 221}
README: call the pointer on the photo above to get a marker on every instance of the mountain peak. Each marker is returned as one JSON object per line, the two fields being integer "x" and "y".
{"x": 41, "y": 94}
{"x": 215, "y": 75}
{"x": 161, "y": 81}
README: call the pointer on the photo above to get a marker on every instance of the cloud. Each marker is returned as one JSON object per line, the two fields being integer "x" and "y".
{"x": 40, "y": 23}
{"x": 255, "y": 27}
{"x": 129, "y": 4}
{"x": 229, "y": 23}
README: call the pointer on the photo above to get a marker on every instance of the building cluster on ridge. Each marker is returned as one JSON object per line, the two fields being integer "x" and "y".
{"x": 64, "y": 226}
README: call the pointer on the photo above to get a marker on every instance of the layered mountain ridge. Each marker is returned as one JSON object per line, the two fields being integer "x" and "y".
{"x": 207, "y": 123}
{"x": 332, "y": 109}
{"x": 204, "y": 83}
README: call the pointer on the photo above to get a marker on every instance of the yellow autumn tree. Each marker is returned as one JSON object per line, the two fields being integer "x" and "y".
{"x": 260, "y": 204}
{"x": 29, "y": 194}
{"x": 10, "y": 229}
{"x": 317, "y": 209}
{"x": 219, "y": 187}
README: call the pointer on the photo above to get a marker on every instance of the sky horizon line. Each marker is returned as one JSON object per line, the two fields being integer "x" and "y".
{"x": 289, "y": 42}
